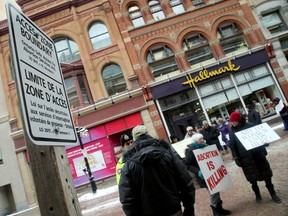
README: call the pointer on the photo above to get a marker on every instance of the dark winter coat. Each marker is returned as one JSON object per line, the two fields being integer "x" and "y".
{"x": 253, "y": 162}
{"x": 211, "y": 136}
{"x": 192, "y": 164}
{"x": 254, "y": 117}
{"x": 154, "y": 181}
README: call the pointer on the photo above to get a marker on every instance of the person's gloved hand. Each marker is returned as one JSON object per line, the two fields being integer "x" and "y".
{"x": 238, "y": 162}
{"x": 200, "y": 175}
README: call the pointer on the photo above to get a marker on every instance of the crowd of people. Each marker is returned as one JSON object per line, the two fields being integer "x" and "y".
{"x": 154, "y": 180}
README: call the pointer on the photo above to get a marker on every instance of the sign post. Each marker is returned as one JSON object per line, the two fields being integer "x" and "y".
{"x": 48, "y": 124}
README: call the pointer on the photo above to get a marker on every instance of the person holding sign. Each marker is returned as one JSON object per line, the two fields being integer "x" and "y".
{"x": 253, "y": 162}
{"x": 193, "y": 166}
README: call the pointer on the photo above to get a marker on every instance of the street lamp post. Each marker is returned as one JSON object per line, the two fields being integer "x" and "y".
{"x": 80, "y": 131}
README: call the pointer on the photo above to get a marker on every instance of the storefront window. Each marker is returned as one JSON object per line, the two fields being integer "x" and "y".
{"x": 161, "y": 60}
{"x": 231, "y": 39}
{"x": 156, "y": 10}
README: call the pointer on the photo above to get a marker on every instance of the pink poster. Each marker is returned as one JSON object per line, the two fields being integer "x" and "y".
{"x": 100, "y": 158}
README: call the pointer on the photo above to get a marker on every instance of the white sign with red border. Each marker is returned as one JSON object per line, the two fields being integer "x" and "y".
{"x": 213, "y": 168}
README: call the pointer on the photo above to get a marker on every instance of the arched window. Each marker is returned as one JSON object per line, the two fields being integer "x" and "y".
{"x": 67, "y": 49}
{"x": 161, "y": 60}
{"x": 177, "y": 6}
{"x": 196, "y": 48}
{"x": 99, "y": 35}
{"x": 231, "y": 39}
{"x": 113, "y": 79}
{"x": 156, "y": 10}
{"x": 136, "y": 16}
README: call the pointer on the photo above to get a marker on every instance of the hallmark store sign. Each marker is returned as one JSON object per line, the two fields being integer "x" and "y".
{"x": 205, "y": 74}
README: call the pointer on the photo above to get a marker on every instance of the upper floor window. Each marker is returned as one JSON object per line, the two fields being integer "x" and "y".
{"x": 196, "y": 48}
{"x": 67, "y": 50}
{"x": 113, "y": 79}
{"x": 161, "y": 60}
{"x": 284, "y": 46}
{"x": 99, "y": 35}
{"x": 156, "y": 10}
{"x": 136, "y": 16}
{"x": 231, "y": 38}
{"x": 177, "y": 6}
{"x": 197, "y": 2}
{"x": 77, "y": 90}
{"x": 274, "y": 22}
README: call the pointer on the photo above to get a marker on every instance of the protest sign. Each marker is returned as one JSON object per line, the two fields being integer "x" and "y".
{"x": 181, "y": 146}
{"x": 257, "y": 136}
{"x": 213, "y": 168}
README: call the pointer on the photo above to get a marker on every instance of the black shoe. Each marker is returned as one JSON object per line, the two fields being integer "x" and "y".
{"x": 276, "y": 198}
{"x": 258, "y": 198}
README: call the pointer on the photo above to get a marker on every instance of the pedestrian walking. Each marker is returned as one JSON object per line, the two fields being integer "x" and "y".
{"x": 126, "y": 140}
{"x": 253, "y": 162}
{"x": 192, "y": 165}
{"x": 154, "y": 181}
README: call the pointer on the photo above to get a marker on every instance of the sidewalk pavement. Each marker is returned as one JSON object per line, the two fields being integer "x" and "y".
{"x": 239, "y": 199}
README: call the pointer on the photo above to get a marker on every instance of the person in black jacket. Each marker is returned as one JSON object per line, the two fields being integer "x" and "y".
{"x": 211, "y": 135}
{"x": 154, "y": 181}
{"x": 192, "y": 165}
{"x": 253, "y": 162}
{"x": 253, "y": 115}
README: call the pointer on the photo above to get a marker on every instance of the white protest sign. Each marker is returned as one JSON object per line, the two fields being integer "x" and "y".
{"x": 213, "y": 168}
{"x": 257, "y": 136}
{"x": 181, "y": 146}
{"x": 39, "y": 80}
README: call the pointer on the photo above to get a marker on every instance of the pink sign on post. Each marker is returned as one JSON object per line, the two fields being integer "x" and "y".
{"x": 100, "y": 158}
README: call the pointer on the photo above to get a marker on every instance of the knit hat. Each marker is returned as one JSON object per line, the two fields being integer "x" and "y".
{"x": 138, "y": 131}
{"x": 125, "y": 138}
{"x": 235, "y": 117}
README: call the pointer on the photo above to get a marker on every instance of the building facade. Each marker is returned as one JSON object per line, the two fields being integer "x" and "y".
{"x": 165, "y": 64}
{"x": 202, "y": 59}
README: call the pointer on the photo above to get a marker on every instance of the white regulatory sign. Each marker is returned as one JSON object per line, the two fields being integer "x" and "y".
{"x": 46, "y": 111}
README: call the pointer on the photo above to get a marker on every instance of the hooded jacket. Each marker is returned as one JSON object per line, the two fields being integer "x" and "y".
{"x": 154, "y": 181}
